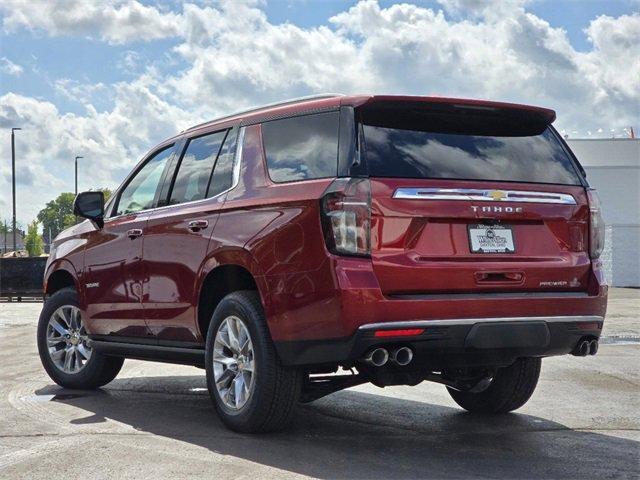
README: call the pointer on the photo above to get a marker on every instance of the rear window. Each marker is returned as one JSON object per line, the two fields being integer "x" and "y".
{"x": 302, "y": 148}
{"x": 409, "y": 153}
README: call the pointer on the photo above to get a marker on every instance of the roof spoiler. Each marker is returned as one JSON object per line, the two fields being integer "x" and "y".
{"x": 454, "y": 115}
{"x": 432, "y": 102}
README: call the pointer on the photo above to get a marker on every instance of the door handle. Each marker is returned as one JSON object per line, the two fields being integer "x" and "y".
{"x": 195, "y": 225}
{"x": 134, "y": 233}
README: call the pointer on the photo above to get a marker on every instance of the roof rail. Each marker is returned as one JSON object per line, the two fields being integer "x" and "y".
{"x": 283, "y": 103}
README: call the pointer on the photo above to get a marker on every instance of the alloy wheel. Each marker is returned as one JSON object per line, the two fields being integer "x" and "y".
{"x": 67, "y": 340}
{"x": 233, "y": 363}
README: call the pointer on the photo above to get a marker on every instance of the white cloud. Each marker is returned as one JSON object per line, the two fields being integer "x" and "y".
{"x": 10, "y": 68}
{"x": 110, "y": 142}
{"x": 129, "y": 62}
{"x": 502, "y": 53}
{"x": 116, "y": 21}
{"x": 79, "y": 92}
{"x": 493, "y": 8}
{"x": 615, "y": 60}
{"x": 228, "y": 55}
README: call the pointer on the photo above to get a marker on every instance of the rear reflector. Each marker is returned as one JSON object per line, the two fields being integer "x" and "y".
{"x": 406, "y": 332}
{"x": 588, "y": 326}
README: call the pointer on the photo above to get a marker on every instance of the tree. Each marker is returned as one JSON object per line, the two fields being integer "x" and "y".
{"x": 107, "y": 193}
{"x": 33, "y": 241}
{"x": 58, "y": 214}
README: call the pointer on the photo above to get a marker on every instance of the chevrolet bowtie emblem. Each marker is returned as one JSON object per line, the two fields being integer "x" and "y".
{"x": 497, "y": 195}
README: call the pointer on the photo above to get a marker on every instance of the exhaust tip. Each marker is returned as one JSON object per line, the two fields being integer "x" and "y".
{"x": 583, "y": 348}
{"x": 403, "y": 356}
{"x": 377, "y": 357}
{"x": 593, "y": 347}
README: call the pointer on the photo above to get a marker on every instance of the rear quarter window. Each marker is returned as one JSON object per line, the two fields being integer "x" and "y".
{"x": 194, "y": 172}
{"x": 302, "y": 148}
{"x": 222, "y": 179}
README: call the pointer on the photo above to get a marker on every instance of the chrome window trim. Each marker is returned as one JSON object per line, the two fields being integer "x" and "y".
{"x": 483, "y": 195}
{"x": 237, "y": 160}
{"x": 473, "y": 321}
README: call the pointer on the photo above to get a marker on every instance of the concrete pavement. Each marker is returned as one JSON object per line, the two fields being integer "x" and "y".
{"x": 156, "y": 421}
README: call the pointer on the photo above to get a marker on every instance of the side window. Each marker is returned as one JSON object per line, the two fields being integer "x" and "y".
{"x": 140, "y": 192}
{"x": 222, "y": 178}
{"x": 302, "y": 148}
{"x": 195, "y": 168}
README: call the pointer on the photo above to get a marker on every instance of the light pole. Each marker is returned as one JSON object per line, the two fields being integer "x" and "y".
{"x": 13, "y": 181}
{"x": 77, "y": 175}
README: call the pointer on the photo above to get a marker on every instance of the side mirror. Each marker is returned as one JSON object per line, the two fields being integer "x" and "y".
{"x": 90, "y": 205}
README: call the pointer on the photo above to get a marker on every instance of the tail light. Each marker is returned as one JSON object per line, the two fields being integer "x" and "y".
{"x": 346, "y": 216}
{"x": 596, "y": 225}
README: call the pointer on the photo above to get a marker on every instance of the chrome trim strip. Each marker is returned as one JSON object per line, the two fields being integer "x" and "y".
{"x": 483, "y": 195}
{"x": 237, "y": 160}
{"x": 473, "y": 321}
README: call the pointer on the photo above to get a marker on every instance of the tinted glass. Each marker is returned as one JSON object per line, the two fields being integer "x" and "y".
{"x": 195, "y": 168}
{"x": 140, "y": 192}
{"x": 223, "y": 172}
{"x": 302, "y": 148}
{"x": 394, "y": 152}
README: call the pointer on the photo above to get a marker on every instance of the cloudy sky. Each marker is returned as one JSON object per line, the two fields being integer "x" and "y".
{"x": 108, "y": 79}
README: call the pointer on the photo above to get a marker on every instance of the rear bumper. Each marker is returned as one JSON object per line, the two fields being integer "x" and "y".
{"x": 453, "y": 343}
{"x": 344, "y": 294}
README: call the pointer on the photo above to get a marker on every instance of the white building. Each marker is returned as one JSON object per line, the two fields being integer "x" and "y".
{"x": 613, "y": 168}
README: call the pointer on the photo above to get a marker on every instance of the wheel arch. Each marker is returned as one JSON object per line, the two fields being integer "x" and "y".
{"x": 59, "y": 275}
{"x": 225, "y": 272}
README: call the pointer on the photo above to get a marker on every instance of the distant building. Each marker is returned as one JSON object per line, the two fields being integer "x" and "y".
{"x": 6, "y": 241}
{"x": 613, "y": 169}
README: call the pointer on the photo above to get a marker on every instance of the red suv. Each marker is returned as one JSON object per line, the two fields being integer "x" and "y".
{"x": 297, "y": 249}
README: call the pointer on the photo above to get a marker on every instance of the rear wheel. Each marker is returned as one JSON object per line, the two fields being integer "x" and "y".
{"x": 251, "y": 390}
{"x": 64, "y": 348}
{"x": 510, "y": 389}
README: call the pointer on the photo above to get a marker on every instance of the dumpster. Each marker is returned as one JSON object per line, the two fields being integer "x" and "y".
{"x": 21, "y": 277}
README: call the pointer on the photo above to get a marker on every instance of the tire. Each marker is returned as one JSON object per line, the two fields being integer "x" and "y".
{"x": 97, "y": 371}
{"x": 273, "y": 390}
{"x": 511, "y": 388}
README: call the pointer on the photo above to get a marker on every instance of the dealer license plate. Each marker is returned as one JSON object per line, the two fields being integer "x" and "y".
{"x": 491, "y": 239}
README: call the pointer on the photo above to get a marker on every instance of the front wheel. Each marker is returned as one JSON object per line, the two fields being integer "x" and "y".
{"x": 250, "y": 389}
{"x": 64, "y": 348}
{"x": 510, "y": 389}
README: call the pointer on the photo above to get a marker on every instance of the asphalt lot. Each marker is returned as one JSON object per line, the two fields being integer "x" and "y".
{"x": 156, "y": 421}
